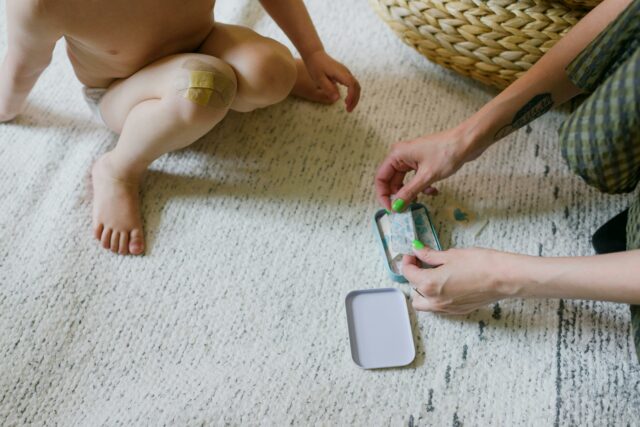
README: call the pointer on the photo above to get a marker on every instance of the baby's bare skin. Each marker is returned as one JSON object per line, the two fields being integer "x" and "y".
{"x": 142, "y": 51}
{"x": 114, "y": 39}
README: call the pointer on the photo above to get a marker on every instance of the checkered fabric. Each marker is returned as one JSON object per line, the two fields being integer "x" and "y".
{"x": 601, "y": 139}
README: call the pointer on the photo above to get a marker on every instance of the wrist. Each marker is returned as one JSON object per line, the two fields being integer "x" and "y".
{"x": 471, "y": 139}
{"x": 310, "y": 51}
{"x": 513, "y": 275}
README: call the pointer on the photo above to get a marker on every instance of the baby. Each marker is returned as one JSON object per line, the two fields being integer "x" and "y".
{"x": 161, "y": 74}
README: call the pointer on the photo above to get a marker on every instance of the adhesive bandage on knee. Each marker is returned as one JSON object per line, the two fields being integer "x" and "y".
{"x": 205, "y": 85}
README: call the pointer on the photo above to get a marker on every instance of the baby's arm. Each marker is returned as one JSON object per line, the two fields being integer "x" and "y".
{"x": 31, "y": 39}
{"x": 293, "y": 18}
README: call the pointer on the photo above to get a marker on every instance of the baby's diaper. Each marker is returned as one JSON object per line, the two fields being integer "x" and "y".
{"x": 93, "y": 96}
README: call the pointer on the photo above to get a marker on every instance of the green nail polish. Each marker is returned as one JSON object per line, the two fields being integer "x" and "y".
{"x": 418, "y": 244}
{"x": 388, "y": 211}
{"x": 398, "y": 205}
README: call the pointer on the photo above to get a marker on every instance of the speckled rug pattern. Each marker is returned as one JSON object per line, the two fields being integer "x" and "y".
{"x": 257, "y": 232}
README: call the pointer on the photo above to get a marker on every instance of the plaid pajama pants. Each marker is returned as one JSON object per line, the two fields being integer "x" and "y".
{"x": 601, "y": 139}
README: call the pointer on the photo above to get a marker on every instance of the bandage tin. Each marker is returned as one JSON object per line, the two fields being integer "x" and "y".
{"x": 424, "y": 228}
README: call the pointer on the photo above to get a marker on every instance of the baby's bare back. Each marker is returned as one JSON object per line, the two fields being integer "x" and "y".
{"x": 110, "y": 39}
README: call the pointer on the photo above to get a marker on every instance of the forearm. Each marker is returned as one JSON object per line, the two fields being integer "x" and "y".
{"x": 612, "y": 277}
{"x": 293, "y": 18}
{"x": 546, "y": 84}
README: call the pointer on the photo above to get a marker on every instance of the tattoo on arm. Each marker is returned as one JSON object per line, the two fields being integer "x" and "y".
{"x": 537, "y": 106}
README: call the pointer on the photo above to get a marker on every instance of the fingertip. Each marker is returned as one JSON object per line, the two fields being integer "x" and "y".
{"x": 398, "y": 205}
{"x": 352, "y": 96}
{"x": 348, "y": 107}
{"x": 421, "y": 248}
{"x": 352, "y": 105}
{"x": 387, "y": 205}
{"x": 383, "y": 198}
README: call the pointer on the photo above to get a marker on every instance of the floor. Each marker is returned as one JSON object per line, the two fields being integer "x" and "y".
{"x": 257, "y": 232}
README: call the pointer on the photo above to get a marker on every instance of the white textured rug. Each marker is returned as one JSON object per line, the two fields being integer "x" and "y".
{"x": 256, "y": 234}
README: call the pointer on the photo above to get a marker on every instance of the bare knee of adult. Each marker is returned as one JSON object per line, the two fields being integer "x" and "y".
{"x": 164, "y": 107}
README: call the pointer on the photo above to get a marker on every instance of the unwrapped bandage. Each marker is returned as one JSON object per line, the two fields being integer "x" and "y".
{"x": 402, "y": 233}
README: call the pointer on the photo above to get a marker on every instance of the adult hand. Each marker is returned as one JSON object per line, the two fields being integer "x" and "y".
{"x": 326, "y": 72}
{"x": 432, "y": 157}
{"x": 461, "y": 280}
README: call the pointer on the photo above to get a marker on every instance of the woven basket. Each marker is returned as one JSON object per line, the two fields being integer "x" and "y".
{"x": 585, "y": 4}
{"x": 492, "y": 41}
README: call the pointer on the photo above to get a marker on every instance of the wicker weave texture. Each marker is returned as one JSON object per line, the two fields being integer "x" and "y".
{"x": 493, "y": 41}
{"x": 586, "y": 4}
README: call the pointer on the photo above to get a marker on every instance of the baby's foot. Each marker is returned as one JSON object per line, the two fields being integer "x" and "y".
{"x": 116, "y": 208}
{"x": 306, "y": 88}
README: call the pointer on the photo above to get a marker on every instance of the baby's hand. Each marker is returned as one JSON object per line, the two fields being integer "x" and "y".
{"x": 326, "y": 72}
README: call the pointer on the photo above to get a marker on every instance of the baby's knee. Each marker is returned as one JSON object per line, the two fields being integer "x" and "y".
{"x": 203, "y": 87}
{"x": 271, "y": 73}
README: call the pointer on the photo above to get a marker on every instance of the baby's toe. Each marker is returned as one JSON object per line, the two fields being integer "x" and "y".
{"x": 97, "y": 231}
{"x": 106, "y": 238}
{"x": 136, "y": 242}
{"x": 124, "y": 244}
{"x": 115, "y": 241}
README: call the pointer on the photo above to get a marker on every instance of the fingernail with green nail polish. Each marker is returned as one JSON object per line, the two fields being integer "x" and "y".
{"x": 418, "y": 244}
{"x": 398, "y": 205}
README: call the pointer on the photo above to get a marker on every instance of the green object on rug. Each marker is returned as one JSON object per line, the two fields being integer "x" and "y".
{"x": 459, "y": 215}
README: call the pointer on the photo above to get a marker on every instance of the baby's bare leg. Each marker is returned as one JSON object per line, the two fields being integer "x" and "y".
{"x": 164, "y": 107}
{"x": 265, "y": 69}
